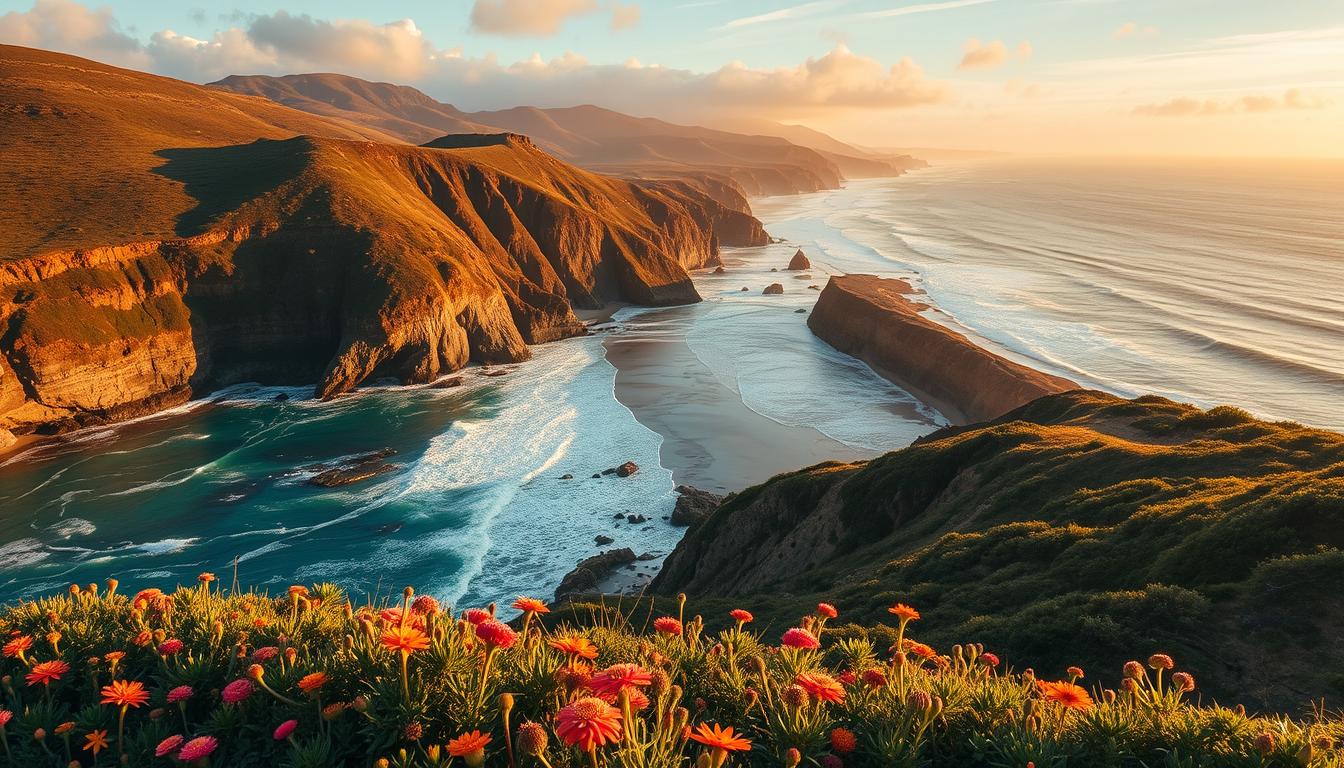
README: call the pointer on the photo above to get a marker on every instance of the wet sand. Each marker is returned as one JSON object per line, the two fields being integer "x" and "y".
{"x": 711, "y": 440}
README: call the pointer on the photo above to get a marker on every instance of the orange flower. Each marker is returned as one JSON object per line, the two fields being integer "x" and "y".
{"x": 821, "y": 686}
{"x": 47, "y": 672}
{"x": 95, "y": 742}
{"x": 588, "y": 723}
{"x": 714, "y": 737}
{"x": 312, "y": 682}
{"x": 530, "y": 605}
{"x": 15, "y": 648}
{"x": 741, "y": 616}
{"x": 903, "y": 612}
{"x": 843, "y": 741}
{"x": 578, "y": 647}
{"x": 667, "y": 625}
{"x": 125, "y": 693}
{"x": 618, "y": 677}
{"x": 1070, "y": 695}
{"x": 921, "y": 650}
{"x": 468, "y": 743}
{"x": 404, "y": 639}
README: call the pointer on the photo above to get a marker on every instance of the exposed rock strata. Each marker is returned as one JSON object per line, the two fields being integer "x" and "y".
{"x": 871, "y": 318}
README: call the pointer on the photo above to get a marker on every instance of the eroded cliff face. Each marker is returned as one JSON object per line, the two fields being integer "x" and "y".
{"x": 871, "y": 318}
{"x": 334, "y": 261}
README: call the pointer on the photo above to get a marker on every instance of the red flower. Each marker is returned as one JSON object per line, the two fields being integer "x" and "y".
{"x": 180, "y": 693}
{"x": 170, "y": 647}
{"x": 875, "y": 677}
{"x": 496, "y": 634}
{"x": 236, "y": 691}
{"x": 469, "y": 745}
{"x": 718, "y": 738}
{"x": 588, "y": 723}
{"x": 47, "y": 672}
{"x": 992, "y": 660}
{"x": 18, "y": 646}
{"x": 167, "y": 746}
{"x": 667, "y": 625}
{"x": 198, "y": 748}
{"x": 741, "y": 616}
{"x": 827, "y": 610}
{"x": 612, "y": 680}
{"x": 843, "y": 741}
{"x": 800, "y": 638}
{"x": 820, "y": 686}
{"x": 1068, "y": 694}
{"x": 425, "y": 605}
{"x": 530, "y": 605}
{"x": 476, "y": 615}
{"x": 283, "y": 730}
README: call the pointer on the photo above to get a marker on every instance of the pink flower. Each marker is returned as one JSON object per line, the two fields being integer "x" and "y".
{"x": 496, "y": 633}
{"x": 171, "y": 646}
{"x": 168, "y": 745}
{"x": 180, "y": 693}
{"x": 800, "y": 638}
{"x": 827, "y": 610}
{"x": 875, "y": 677}
{"x": 5, "y": 717}
{"x": 992, "y": 660}
{"x": 265, "y": 653}
{"x": 667, "y": 625}
{"x": 476, "y": 615}
{"x": 237, "y": 691}
{"x": 198, "y": 748}
{"x": 425, "y": 604}
{"x": 283, "y": 730}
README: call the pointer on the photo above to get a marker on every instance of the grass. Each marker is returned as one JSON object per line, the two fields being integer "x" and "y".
{"x": 210, "y": 676}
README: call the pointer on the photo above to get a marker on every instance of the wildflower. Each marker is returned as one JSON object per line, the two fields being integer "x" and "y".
{"x": 283, "y": 730}
{"x": 1070, "y": 695}
{"x": 588, "y": 723}
{"x": 800, "y": 638}
{"x": 530, "y": 605}
{"x": 848, "y": 678}
{"x": 532, "y": 739}
{"x": 612, "y": 680}
{"x": 843, "y": 741}
{"x": 312, "y": 682}
{"x": 667, "y": 625}
{"x": 792, "y": 758}
{"x": 1133, "y": 670}
{"x": 198, "y": 748}
{"x": 180, "y": 693}
{"x": 171, "y": 647}
{"x": 16, "y": 648}
{"x": 144, "y": 638}
{"x": 921, "y": 650}
{"x": 991, "y": 660}
{"x": 720, "y": 741}
{"x": 206, "y": 578}
{"x": 333, "y": 711}
{"x": 496, "y": 634}
{"x": 65, "y": 728}
{"x": 741, "y": 616}
{"x": 236, "y": 691}
{"x": 1184, "y": 681}
{"x": 1265, "y": 742}
{"x": 1075, "y": 672}
{"x": 5, "y": 717}
{"x": 125, "y": 693}
{"x": 476, "y": 615}
{"x": 404, "y": 639}
{"x": 168, "y": 746}
{"x": 827, "y": 610}
{"x": 265, "y": 653}
{"x": 831, "y": 761}
{"x": 95, "y": 742}
{"x": 1160, "y": 661}
{"x": 413, "y": 731}
{"x": 425, "y": 606}
{"x": 903, "y": 612}
{"x": 574, "y": 646}
{"x": 919, "y": 700}
{"x": 470, "y": 747}
{"x": 875, "y": 677}
{"x": 46, "y": 672}
{"x": 112, "y": 657}
{"x": 574, "y": 676}
{"x": 795, "y": 696}
{"x": 821, "y": 686}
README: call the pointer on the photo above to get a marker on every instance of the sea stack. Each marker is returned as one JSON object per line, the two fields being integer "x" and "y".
{"x": 799, "y": 262}
{"x": 773, "y": 289}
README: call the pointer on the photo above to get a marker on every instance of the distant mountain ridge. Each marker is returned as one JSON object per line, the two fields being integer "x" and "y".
{"x": 593, "y": 137}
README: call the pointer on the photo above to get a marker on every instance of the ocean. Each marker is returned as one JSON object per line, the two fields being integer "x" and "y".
{"x": 1205, "y": 284}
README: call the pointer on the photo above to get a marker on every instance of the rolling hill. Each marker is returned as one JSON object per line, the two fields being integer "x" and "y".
{"x": 163, "y": 239}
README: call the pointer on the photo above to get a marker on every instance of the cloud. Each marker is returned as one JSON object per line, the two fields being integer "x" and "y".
{"x": 544, "y": 18}
{"x": 67, "y": 26}
{"x": 991, "y": 55}
{"x": 1292, "y": 99}
{"x": 907, "y": 10}
{"x": 781, "y": 14}
{"x": 1130, "y": 29}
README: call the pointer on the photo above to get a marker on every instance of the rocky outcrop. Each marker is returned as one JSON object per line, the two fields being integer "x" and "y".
{"x": 799, "y": 262}
{"x": 589, "y": 573}
{"x": 354, "y": 470}
{"x": 299, "y": 260}
{"x": 773, "y": 289}
{"x": 694, "y": 505}
{"x": 871, "y": 318}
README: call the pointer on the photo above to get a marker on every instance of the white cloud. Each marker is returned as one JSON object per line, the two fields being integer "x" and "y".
{"x": 991, "y": 55}
{"x": 1293, "y": 98}
{"x": 67, "y": 26}
{"x": 1130, "y": 29}
{"x": 543, "y": 18}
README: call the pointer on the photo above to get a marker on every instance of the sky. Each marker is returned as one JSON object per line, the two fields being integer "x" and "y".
{"x": 1234, "y": 78}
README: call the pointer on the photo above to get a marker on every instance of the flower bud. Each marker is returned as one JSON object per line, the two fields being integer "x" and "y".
{"x": 1160, "y": 661}
{"x": 532, "y": 739}
{"x": 792, "y": 758}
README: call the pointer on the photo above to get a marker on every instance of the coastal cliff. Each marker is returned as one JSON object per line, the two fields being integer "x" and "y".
{"x": 166, "y": 266}
{"x": 1120, "y": 524}
{"x": 870, "y": 318}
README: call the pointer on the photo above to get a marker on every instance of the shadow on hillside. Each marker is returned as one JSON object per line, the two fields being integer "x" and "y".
{"x": 222, "y": 179}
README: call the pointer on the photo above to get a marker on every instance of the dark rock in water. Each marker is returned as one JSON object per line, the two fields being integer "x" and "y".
{"x": 590, "y": 572}
{"x": 448, "y": 383}
{"x": 280, "y": 398}
{"x": 814, "y": 287}
{"x": 566, "y": 476}
{"x": 772, "y": 269}
{"x": 390, "y": 528}
{"x": 745, "y": 288}
{"x": 773, "y": 289}
{"x": 357, "y": 469}
{"x": 637, "y": 519}
{"x": 647, "y": 556}
{"x": 602, "y": 539}
{"x": 619, "y": 516}
{"x": 597, "y": 475}
{"x": 694, "y": 505}
{"x": 627, "y": 469}
{"x": 799, "y": 262}
{"x": 495, "y": 371}
{"x": 800, "y": 311}
{"x": 802, "y": 277}
{"x": 719, "y": 270}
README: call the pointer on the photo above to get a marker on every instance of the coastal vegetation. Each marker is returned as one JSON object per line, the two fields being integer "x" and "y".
{"x": 207, "y": 675}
